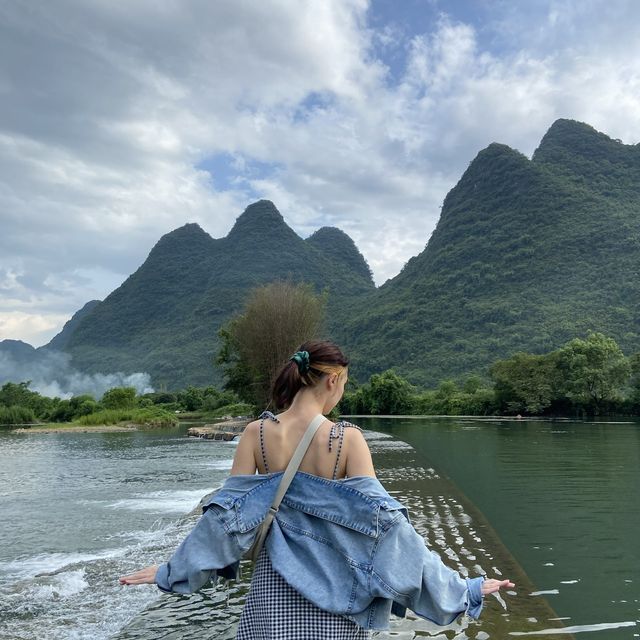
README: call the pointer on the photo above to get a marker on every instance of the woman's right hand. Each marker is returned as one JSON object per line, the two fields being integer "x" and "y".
{"x": 144, "y": 576}
{"x": 491, "y": 586}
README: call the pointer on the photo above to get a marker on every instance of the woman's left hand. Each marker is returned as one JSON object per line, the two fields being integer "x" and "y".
{"x": 144, "y": 576}
{"x": 491, "y": 586}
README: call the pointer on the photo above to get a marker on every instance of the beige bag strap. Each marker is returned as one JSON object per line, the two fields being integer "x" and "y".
{"x": 285, "y": 481}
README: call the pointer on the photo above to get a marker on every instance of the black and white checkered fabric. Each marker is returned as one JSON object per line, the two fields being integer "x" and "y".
{"x": 276, "y": 611}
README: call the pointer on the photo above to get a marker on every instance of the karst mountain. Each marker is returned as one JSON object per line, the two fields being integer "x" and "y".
{"x": 527, "y": 254}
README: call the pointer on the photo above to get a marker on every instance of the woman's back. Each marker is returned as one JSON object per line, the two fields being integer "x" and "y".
{"x": 312, "y": 383}
{"x": 336, "y": 451}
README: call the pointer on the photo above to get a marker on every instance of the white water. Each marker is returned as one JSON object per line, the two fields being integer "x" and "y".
{"x": 85, "y": 516}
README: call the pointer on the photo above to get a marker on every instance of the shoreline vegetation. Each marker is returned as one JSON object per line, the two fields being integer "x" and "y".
{"x": 585, "y": 378}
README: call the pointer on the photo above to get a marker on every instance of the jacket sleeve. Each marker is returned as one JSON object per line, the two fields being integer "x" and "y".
{"x": 406, "y": 571}
{"x": 208, "y": 551}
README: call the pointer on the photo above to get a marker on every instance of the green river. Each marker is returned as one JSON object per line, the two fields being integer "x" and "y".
{"x": 552, "y": 505}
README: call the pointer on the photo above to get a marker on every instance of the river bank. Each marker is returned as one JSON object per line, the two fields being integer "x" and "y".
{"x": 226, "y": 429}
{"x": 75, "y": 428}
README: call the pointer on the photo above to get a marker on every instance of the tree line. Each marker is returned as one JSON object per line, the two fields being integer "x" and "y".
{"x": 586, "y": 376}
{"x": 21, "y": 405}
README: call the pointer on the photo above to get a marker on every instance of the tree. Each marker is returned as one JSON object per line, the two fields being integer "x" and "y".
{"x": 82, "y": 405}
{"x": 634, "y": 382}
{"x": 191, "y": 398}
{"x": 13, "y": 394}
{"x": 18, "y": 394}
{"x": 277, "y": 318}
{"x": 594, "y": 370}
{"x": 445, "y": 397}
{"x": 119, "y": 398}
{"x": 526, "y": 382}
{"x": 385, "y": 393}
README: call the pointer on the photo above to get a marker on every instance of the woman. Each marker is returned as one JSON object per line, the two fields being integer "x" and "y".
{"x": 341, "y": 554}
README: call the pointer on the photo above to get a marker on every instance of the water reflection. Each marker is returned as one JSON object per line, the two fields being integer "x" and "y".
{"x": 563, "y": 496}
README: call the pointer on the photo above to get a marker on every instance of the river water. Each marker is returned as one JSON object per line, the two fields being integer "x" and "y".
{"x": 78, "y": 510}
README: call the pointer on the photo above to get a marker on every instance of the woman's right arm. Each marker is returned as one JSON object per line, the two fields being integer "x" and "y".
{"x": 206, "y": 550}
{"x": 359, "y": 462}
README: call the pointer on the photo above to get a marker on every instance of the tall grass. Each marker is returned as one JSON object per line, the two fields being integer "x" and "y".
{"x": 152, "y": 416}
{"x": 16, "y": 415}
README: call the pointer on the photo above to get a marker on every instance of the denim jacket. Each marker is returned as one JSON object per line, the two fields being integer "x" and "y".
{"x": 345, "y": 545}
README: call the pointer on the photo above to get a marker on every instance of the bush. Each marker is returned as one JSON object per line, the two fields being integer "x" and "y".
{"x": 215, "y": 399}
{"x": 120, "y": 398}
{"x": 62, "y": 412}
{"x": 82, "y": 405}
{"x": 160, "y": 397}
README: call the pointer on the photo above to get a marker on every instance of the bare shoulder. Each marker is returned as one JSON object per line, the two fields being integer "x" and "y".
{"x": 346, "y": 423}
{"x": 244, "y": 458}
{"x": 252, "y": 427}
{"x": 359, "y": 462}
{"x": 354, "y": 436}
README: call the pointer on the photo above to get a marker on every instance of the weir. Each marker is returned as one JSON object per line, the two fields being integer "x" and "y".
{"x": 224, "y": 430}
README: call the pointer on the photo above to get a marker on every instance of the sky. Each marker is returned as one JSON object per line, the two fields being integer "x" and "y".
{"x": 121, "y": 121}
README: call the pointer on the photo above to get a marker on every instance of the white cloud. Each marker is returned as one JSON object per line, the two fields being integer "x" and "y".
{"x": 107, "y": 111}
{"x": 36, "y": 329}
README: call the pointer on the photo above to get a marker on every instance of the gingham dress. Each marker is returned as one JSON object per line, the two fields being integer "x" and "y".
{"x": 276, "y": 611}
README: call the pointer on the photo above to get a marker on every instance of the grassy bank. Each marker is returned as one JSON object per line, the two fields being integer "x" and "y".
{"x": 109, "y": 420}
{"x": 145, "y": 417}
{"x": 106, "y": 420}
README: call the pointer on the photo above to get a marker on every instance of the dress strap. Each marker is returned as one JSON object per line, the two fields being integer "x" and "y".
{"x": 337, "y": 432}
{"x": 262, "y": 417}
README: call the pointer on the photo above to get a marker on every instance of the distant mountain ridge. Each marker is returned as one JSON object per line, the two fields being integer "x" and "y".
{"x": 164, "y": 318}
{"x": 527, "y": 254}
{"x": 60, "y": 340}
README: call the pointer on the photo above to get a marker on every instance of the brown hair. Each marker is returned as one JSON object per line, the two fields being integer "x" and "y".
{"x": 325, "y": 358}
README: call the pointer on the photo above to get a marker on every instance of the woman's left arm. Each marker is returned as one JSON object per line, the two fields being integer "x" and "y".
{"x": 244, "y": 462}
{"x": 414, "y": 576}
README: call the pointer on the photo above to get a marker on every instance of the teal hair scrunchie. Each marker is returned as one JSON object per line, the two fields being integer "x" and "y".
{"x": 301, "y": 358}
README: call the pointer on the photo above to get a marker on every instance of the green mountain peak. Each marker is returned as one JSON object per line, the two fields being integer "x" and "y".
{"x": 573, "y": 138}
{"x": 590, "y": 159}
{"x": 340, "y": 248}
{"x": 189, "y": 237}
{"x": 164, "y": 318}
{"x": 260, "y": 220}
{"x": 526, "y": 255}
